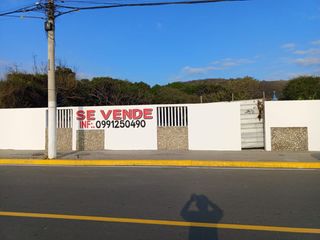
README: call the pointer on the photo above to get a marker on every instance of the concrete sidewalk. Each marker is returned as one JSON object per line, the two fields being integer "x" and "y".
{"x": 246, "y": 158}
{"x": 245, "y": 155}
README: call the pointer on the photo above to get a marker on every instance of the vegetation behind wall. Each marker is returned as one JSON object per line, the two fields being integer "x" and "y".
{"x": 21, "y": 89}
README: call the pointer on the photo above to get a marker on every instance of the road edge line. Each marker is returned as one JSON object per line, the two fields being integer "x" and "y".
{"x": 162, "y": 163}
{"x": 161, "y": 222}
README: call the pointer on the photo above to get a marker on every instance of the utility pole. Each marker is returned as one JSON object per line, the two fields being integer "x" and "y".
{"x": 52, "y": 105}
{"x": 53, "y": 11}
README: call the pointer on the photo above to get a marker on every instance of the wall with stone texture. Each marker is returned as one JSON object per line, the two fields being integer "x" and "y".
{"x": 289, "y": 139}
{"x": 293, "y": 114}
{"x": 90, "y": 140}
{"x": 64, "y": 139}
{"x": 172, "y": 138}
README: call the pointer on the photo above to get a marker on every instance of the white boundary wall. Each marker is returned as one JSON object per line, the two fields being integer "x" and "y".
{"x": 22, "y": 128}
{"x": 215, "y": 126}
{"x": 294, "y": 114}
{"x": 211, "y": 126}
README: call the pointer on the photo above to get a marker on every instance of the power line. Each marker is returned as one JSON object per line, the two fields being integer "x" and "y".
{"x": 143, "y": 4}
{"x": 86, "y": 2}
{"x": 29, "y": 8}
{"x": 21, "y": 16}
{"x": 64, "y": 6}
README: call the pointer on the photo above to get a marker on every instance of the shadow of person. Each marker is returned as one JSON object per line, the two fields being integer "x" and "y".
{"x": 200, "y": 209}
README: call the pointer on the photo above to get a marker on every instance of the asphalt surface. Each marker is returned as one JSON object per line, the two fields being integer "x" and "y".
{"x": 285, "y": 198}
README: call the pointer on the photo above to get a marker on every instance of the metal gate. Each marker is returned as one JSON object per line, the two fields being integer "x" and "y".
{"x": 252, "y": 123}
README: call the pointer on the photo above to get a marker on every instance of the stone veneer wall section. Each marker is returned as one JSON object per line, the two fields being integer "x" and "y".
{"x": 289, "y": 139}
{"x": 90, "y": 140}
{"x": 64, "y": 139}
{"x": 172, "y": 138}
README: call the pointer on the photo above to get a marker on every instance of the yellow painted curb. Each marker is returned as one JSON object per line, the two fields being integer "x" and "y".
{"x": 162, "y": 222}
{"x": 164, "y": 163}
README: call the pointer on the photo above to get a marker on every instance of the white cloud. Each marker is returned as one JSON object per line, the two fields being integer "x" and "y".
{"x": 216, "y": 66}
{"x": 292, "y": 48}
{"x": 307, "y": 61}
{"x": 310, "y": 58}
{"x": 82, "y": 75}
{"x": 298, "y": 74}
{"x": 316, "y": 42}
{"x": 312, "y": 51}
{"x": 229, "y": 62}
{"x": 199, "y": 70}
{"x": 288, "y": 46}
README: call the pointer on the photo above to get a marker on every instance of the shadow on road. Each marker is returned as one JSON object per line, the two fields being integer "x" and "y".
{"x": 67, "y": 154}
{"x": 200, "y": 209}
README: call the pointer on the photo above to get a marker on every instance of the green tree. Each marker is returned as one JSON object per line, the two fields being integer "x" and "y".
{"x": 109, "y": 91}
{"x": 66, "y": 84}
{"x": 30, "y": 90}
{"x": 21, "y": 90}
{"x": 302, "y": 88}
{"x": 244, "y": 88}
{"x": 169, "y": 95}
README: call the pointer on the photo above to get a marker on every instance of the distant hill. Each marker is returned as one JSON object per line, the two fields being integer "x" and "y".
{"x": 219, "y": 89}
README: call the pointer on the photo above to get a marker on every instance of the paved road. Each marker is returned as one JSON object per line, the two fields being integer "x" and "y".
{"x": 279, "y": 198}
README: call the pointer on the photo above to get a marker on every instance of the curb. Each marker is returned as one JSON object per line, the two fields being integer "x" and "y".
{"x": 161, "y": 163}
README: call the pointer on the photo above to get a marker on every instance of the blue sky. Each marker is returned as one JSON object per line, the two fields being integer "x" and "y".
{"x": 265, "y": 39}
